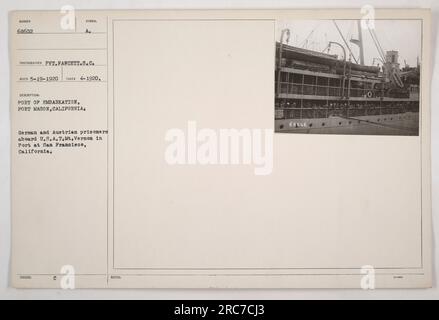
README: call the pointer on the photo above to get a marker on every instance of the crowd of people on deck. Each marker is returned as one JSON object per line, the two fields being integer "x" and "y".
{"x": 296, "y": 109}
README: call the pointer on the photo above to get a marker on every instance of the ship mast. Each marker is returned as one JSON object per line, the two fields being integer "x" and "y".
{"x": 344, "y": 40}
{"x": 360, "y": 44}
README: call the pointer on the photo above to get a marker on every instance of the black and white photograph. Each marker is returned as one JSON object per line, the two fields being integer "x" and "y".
{"x": 220, "y": 159}
{"x": 348, "y": 77}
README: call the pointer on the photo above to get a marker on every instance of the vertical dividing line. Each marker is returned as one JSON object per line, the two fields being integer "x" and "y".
{"x": 113, "y": 131}
{"x": 107, "y": 150}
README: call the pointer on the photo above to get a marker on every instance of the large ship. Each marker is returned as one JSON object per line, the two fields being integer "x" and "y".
{"x": 319, "y": 92}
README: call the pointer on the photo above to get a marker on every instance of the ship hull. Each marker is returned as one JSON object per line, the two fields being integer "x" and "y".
{"x": 390, "y": 124}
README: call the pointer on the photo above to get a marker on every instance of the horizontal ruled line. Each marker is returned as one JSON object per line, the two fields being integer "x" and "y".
{"x": 60, "y": 81}
{"x": 62, "y": 49}
{"x": 82, "y": 33}
{"x": 41, "y": 65}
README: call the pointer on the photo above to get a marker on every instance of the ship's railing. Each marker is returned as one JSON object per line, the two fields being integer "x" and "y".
{"x": 365, "y": 93}
{"x": 330, "y": 91}
{"x": 309, "y": 89}
{"x": 402, "y": 94}
{"x": 343, "y": 111}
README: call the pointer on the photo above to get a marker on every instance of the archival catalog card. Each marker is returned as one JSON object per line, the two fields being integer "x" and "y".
{"x": 221, "y": 149}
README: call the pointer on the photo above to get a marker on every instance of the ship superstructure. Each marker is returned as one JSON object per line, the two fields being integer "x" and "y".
{"x": 318, "y": 92}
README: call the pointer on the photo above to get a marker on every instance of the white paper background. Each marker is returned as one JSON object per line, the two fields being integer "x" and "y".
{"x": 9, "y": 293}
